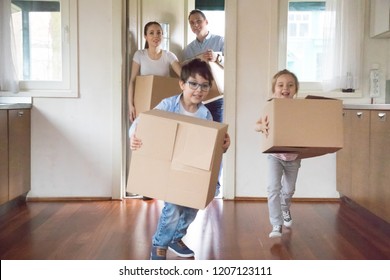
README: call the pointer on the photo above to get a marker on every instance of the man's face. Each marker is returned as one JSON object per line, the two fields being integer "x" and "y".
{"x": 198, "y": 24}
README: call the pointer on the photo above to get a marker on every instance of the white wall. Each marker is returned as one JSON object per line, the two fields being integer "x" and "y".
{"x": 72, "y": 138}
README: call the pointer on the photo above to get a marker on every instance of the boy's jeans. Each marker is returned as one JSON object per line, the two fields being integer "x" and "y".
{"x": 281, "y": 186}
{"x": 173, "y": 224}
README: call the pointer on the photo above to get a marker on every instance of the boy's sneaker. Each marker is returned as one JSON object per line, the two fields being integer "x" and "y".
{"x": 180, "y": 249}
{"x": 276, "y": 232}
{"x": 158, "y": 253}
{"x": 287, "y": 220}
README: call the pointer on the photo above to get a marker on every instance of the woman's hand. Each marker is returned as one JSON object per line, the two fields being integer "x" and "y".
{"x": 262, "y": 125}
{"x": 135, "y": 143}
{"x": 132, "y": 113}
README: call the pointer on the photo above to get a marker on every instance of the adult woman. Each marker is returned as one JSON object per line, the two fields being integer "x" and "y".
{"x": 152, "y": 60}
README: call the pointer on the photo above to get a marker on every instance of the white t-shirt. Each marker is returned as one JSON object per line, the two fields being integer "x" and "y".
{"x": 158, "y": 67}
{"x": 185, "y": 112}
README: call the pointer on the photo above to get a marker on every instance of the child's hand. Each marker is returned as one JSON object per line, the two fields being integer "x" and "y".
{"x": 135, "y": 143}
{"x": 226, "y": 142}
{"x": 262, "y": 125}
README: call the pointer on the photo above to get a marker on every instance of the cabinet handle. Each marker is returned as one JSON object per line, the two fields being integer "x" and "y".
{"x": 382, "y": 116}
{"x": 20, "y": 113}
{"x": 359, "y": 114}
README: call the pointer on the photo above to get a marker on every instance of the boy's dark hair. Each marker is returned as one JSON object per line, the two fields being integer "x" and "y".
{"x": 196, "y": 66}
{"x": 196, "y": 11}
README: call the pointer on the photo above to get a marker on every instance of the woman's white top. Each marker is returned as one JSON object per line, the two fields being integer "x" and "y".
{"x": 159, "y": 67}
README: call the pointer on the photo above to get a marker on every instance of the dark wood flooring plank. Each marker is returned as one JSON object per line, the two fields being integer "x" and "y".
{"x": 226, "y": 230}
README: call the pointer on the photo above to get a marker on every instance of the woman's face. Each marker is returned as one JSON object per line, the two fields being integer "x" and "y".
{"x": 285, "y": 87}
{"x": 154, "y": 35}
{"x": 195, "y": 90}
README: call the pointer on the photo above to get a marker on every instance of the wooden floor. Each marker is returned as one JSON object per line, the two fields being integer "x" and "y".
{"x": 226, "y": 230}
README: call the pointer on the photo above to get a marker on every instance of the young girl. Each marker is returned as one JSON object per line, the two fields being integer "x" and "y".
{"x": 195, "y": 82}
{"x": 152, "y": 60}
{"x": 283, "y": 168}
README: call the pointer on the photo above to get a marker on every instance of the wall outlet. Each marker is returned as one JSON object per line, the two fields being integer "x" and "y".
{"x": 374, "y": 83}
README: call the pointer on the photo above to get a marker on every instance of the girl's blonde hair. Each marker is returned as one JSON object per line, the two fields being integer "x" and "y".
{"x": 284, "y": 72}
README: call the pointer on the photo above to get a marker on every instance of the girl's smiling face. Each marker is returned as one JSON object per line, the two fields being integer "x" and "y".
{"x": 285, "y": 87}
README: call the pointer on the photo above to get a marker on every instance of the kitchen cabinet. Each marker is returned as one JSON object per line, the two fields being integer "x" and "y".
{"x": 3, "y": 156}
{"x": 15, "y": 153}
{"x": 380, "y": 18}
{"x": 363, "y": 165}
{"x": 379, "y": 192}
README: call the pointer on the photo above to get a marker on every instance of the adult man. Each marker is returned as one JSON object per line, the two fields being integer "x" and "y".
{"x": 209, "y": 47}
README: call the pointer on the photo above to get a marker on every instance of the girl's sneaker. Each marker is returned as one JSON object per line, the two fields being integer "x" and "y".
{"x": 287, "y": 220}
{"x": 276, "y": 232}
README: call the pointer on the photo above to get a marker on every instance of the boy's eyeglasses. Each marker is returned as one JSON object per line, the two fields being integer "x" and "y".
{"x": 195, "y": 86}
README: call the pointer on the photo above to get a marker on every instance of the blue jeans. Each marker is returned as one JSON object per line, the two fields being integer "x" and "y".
{"x": 281, "y": 187}
{"x": 173, "y": 224}
{"x": 216, "y": 110}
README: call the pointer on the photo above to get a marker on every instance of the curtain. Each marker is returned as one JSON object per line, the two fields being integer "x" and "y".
{"x": 8, "y": 69}
{"x": 343, "y": 39}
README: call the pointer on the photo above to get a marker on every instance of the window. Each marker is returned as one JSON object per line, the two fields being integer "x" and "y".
{"x": 321, "y": 42}
{"x": 305, "y": 39}
{"x": 46, "y": 46}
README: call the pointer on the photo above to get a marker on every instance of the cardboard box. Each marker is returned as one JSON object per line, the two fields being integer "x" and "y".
{"x": 309, "y": 127}
{"x": 217, "y": 88}
{"x": 150, "y": 90}
{"x": 179, "y": 160}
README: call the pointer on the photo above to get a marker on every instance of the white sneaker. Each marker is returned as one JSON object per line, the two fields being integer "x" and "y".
{"x": 287, "y": 220}
{"x": 276, "y": 232}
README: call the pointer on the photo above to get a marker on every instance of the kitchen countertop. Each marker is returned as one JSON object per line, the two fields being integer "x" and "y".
{"x": 367, "y": 106}
{"x": 10, "y": 106}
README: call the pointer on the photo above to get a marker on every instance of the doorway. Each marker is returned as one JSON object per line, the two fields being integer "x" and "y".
{"x": 134, "y": 34}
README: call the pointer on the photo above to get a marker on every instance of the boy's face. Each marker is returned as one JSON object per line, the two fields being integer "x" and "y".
{"x": 195, "y": 90}
{"x": 285, "y": 87}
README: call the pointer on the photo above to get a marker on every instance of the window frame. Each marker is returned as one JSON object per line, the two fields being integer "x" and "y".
{"x": 305, "y": 88}
{"x": 282, "y": 57}
{"x": 68, "y": 86}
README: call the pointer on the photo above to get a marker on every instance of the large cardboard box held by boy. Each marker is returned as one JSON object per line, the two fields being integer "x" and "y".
{"x": 150, "y": 90}
{"x": 310, "y": 127}
{"x": 179, "y": 160}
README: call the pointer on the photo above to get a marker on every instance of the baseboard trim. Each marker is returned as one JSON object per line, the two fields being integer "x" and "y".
{"x": 242, "y": 198}
{"x": 297, "y": 199}
{"x": 67, "y": 199}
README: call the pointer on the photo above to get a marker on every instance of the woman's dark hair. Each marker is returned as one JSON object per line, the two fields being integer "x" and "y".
{"x": 146, "y": 27}
{"x": 196, "y": 66}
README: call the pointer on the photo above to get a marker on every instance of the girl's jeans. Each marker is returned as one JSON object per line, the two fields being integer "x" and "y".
{"x": 173, "y": 224}
{"x": 281, "y": 187}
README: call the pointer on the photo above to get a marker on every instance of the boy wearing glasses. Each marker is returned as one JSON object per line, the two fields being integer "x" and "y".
{"x": 195, "y": 82}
